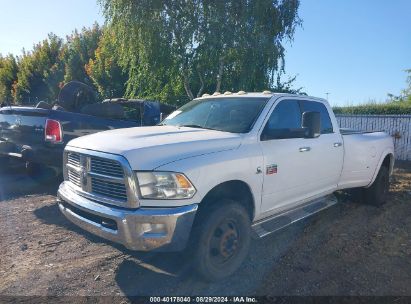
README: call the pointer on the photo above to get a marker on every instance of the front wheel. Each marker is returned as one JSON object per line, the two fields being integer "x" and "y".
{"x": 377, "y": 193}
{"x": 222, "y": 236}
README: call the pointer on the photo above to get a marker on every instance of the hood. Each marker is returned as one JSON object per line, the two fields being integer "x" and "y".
{"x": 147, "y": 148}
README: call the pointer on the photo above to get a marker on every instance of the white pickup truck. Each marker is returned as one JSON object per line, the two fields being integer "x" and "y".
{"x": 217, "y": 171}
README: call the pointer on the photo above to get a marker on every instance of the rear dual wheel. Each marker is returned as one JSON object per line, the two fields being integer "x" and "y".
{"x": 377, "y": 193}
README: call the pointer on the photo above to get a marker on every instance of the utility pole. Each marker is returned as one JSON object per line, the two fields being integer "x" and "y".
{"x": 327, "y": 95}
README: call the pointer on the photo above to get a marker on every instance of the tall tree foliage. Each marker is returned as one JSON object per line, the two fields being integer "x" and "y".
{"x": 39, "y": 74}
{"x": 78, "y": 50}
{"x": 167, "y": 50}
{"x": 407, "y": 92}
{"x": 104, "y": 70}
{"x": 405, "y": 96}
{"x": 40, "y": 71}
{"x": 189, "y": 47}
{"x": 8, "y": 75}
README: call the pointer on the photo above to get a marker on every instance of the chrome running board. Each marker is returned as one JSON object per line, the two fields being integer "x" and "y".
{"x": 278, "y": 221}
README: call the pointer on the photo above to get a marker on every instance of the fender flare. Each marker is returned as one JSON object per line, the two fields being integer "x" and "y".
{"x": 253, "y": 203}
{"x": 384, "y": 154}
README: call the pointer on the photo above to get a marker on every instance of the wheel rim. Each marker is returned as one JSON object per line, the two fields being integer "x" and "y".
{"x": 225, "y": 241}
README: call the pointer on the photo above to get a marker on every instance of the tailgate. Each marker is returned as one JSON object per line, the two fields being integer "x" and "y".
{"x": 23, "y": 125}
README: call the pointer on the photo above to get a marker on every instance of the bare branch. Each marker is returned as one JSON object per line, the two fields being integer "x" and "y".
{"x": 200, "y": 91}
{"x": 187, "y": 87}
{"x": 220, "y": 73}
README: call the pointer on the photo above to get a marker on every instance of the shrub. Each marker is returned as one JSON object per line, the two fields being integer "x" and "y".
{"x": 376, "y": 109}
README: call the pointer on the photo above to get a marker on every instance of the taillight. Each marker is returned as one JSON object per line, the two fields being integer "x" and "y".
{"x": 53, "y": 131}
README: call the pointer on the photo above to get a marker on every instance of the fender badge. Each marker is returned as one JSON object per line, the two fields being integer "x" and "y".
{"x": 271, "y": 169}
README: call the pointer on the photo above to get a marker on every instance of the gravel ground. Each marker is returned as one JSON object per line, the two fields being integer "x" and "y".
{"x": 348, "y": 249}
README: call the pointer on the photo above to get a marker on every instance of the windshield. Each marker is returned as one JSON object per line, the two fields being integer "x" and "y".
{"x": 236, "y": 115}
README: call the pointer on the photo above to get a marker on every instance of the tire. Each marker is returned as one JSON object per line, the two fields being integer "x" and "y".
{"x": 377, "y": 193}
{"x": 33, "y": 170}
{"x": 221, "y": 239}
{"x": 40, "y": 172}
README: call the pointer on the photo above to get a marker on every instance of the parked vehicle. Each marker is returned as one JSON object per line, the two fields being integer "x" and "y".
{"x": 217, "y": 171}
{"x": 37, "y": 135}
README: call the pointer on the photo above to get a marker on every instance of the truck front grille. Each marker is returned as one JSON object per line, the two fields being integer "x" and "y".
{"x": 104, "y": 179}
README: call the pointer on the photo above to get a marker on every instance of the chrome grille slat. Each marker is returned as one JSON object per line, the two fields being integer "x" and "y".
{"x": 107, "y": 178}
{"x": 100, "y": 190}
{"x": 106, "y": 167}
{"x": 111, "y": 186}
{"x": 108, "y": 188}
{"x": 105, "y": 191}
{"x": 96, "y": 167}
{"x": 104, "y": 164}
{"x": 74, "y": 178}
{"x": 74, "y": 175}
{"x": 110, "y": 194}
{"x": 73, "y": 159}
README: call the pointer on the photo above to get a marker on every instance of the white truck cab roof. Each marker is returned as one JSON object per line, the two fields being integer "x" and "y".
{"x": 264, "y": 94}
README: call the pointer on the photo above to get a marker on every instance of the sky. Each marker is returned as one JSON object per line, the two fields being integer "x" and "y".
{"x": 355, "y": 50}
{"x": 26, "y": 22}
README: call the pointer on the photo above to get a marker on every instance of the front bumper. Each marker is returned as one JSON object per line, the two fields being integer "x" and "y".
{"x": 130, "y": 228}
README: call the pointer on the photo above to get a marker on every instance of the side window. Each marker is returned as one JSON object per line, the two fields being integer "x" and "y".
{"x": 131, "y": 111}
{"x": 284, "y": 122}
{"x": 326, "y": 125}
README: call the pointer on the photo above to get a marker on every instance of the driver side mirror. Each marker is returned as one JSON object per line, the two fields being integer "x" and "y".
{"x": 312, "y": 123}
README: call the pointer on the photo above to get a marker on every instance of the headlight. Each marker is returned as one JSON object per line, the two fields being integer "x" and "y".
{"x": 164, "y": 185}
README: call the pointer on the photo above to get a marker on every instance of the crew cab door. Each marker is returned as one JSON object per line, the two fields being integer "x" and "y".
{"x": 297, "y": 168}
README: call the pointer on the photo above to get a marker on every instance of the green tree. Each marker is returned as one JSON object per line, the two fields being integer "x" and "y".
{"x": 172, "y": 48}
{"x": 104, "y": 70}
{"x": 79, "y": 49}
{"x": 8, "y": 75}
{"x": 40, "y": 71}
{"x": 405, "y": 95}
{"x": 407, "y": 91}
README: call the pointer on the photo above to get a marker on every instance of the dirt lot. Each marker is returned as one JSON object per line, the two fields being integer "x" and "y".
{"x": 349, "y": 249}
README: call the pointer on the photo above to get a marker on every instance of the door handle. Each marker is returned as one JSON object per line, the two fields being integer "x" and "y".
{"x": 337, "y": 144}
{"x": 305, "y": 149}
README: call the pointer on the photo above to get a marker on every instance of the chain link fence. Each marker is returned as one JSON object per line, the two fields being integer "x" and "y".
{"x": 398, "y": 126}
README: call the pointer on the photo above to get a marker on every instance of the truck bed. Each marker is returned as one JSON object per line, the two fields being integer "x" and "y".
{"x": 22, "y": 132}
{"x": 363, "y": 152}
{"x": 346, "y": 131}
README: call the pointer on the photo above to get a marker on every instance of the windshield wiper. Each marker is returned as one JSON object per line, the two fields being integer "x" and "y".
{"x": 197, "y": 126}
